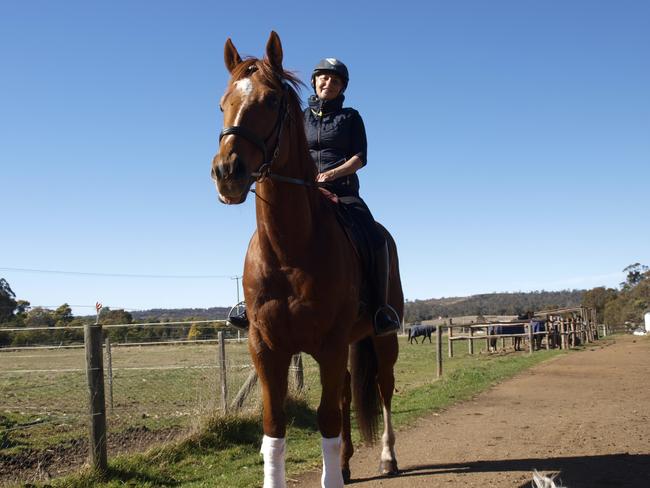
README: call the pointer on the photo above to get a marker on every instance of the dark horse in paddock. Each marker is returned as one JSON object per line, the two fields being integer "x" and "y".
{"x": 505, "y": 329}
{"x": 302, "y": 278}
{"x": 421, "y": 330}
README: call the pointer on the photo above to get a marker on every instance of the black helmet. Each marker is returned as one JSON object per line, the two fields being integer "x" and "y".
{"x": 332, "y": 65}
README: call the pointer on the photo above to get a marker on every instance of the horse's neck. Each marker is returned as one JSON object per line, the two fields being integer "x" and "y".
{"x": 287, "y": 213}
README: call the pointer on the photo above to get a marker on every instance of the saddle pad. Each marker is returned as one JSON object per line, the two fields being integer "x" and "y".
{"x": 357, "y": 234}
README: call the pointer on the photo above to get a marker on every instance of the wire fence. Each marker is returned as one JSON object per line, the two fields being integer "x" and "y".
{"x": 160, "y": 382}
{"x": 156, "y": 390}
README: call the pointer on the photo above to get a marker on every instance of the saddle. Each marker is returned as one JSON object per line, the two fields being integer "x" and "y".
{"x": 358, "y": 235}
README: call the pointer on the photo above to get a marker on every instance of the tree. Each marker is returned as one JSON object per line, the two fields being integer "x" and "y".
{"x": 635, "y": 274}
{"x": 630, "y": 304}
{"x": 22, "y": 307}
{"x": 63, "y": 315}
{"x": 194, "y": 333}
{"x": 598, "y": 298}
{"x": 7, "y": 301}
{"x": 39, "y": 317}
{"x": 119, "y": 316}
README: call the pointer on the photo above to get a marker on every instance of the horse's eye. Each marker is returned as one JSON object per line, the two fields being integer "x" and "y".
{"x": 220, "y": 107}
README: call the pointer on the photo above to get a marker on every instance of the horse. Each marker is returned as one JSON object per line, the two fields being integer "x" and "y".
{"x": 302, "y": 277}
{"x": 538, "y": 326}
{"x": 421, "y": 330}
{"x": 506, "y": 329}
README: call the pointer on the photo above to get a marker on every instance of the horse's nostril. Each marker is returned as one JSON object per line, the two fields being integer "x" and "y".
{"x": 239, "y": 169}
{"x": 217, "y": 172}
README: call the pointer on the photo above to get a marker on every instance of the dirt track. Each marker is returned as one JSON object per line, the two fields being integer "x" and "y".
{"x": 585, "y": 416}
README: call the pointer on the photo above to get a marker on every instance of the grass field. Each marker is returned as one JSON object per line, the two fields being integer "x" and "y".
{"x": 149, "y": 399}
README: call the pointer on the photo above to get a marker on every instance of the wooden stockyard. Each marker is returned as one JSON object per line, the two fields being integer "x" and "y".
{"x": 564, "y": 328}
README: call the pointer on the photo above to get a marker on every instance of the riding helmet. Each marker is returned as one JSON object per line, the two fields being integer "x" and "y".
{"x": 332, "y": 65}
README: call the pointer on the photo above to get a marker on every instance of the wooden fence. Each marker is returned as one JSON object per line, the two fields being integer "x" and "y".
{"x": 564, "y": 329}
{"x": 566, "y": 324}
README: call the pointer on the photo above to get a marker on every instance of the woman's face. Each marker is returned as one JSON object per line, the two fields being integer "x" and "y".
{"x": 328, "y": 86}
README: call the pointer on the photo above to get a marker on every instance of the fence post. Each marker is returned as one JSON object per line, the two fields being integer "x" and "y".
{"x": 586, "y": 325}
{"x": 439, "y": 350}
{"x": 222, "y": 371}
{"x": 298, "y": 373}
{"x": 530, "y": 337}
{"x": 245, "y": 390}
{"x": 450, "y": 333}
{"x": 109, "y": 367}
{"x": 471, "y": 340}
{"x": 97, "y": 402}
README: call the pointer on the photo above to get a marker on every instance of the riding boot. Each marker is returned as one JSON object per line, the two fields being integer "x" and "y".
{"x": 386, "y": 320}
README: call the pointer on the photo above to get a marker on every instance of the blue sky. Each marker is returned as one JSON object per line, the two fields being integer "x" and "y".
{"x": 509, "y": 141}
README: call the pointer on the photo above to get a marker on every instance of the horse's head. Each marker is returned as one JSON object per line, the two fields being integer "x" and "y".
{"x": 255, "y": 110}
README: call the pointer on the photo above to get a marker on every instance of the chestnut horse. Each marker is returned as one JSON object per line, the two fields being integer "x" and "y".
{"x": 302, "y": 277}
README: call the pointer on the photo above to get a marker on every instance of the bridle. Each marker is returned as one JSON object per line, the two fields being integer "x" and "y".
{"x": 264, "y": 170}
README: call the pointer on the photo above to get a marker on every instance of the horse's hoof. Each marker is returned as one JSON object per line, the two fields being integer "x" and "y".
{"x": 347, "y": 477}
{"x": 388, "y": 468}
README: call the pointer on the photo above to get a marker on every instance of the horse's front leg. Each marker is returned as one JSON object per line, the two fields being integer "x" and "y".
{"x": 333, "y": 367}
{"x": 347, "y": 449}
{"x": 272, "y": 369}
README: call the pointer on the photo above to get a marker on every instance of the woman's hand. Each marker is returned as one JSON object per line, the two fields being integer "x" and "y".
{"x": 330, "y": 175}
{"x": 348, "y": 168}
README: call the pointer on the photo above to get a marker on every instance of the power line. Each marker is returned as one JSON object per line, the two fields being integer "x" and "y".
{"x": 114, "y": 275}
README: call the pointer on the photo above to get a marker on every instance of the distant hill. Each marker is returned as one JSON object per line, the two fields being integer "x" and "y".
{"x": 415, "y": 311}
{"x": 179, "y": 314}
{"x": 491, "y": 304}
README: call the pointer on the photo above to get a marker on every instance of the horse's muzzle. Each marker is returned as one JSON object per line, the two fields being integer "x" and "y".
{"x": 231, "y": 178}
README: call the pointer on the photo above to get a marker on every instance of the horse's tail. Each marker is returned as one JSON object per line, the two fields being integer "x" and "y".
{"x": 365, "y": 391}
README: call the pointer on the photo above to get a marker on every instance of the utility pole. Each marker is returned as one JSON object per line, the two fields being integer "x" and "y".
{"x": 237, "y": 278}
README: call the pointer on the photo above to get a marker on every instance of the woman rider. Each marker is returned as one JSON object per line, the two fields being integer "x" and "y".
{"x": 337, "y": 141}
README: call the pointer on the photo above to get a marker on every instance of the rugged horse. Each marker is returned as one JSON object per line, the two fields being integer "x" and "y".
{"x": 421, "y": 330}
{"x": 302, "y": 278}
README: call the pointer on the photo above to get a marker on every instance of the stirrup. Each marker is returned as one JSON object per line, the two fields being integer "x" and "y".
{"x": 386, "y": 321}
{"x": 237, "y": 316}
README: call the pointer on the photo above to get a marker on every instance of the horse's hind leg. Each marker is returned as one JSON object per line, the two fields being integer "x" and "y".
{"x": 387, "y": 350}
{"x": 347, "y": 449}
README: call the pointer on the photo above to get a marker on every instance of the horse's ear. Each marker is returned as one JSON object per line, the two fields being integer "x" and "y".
{"x": 274, "y": 51}
{"x": 230, "y": 56}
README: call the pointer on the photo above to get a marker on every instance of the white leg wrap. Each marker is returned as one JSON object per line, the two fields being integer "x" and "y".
{"x": 332, "y": 477}
{"x": 273, "y": 453}
{"x": 388, "y": 438}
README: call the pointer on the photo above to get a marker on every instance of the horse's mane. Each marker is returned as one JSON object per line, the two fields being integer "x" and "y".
{"x": 279, "y": 80}
{"x": 273, "y": 78}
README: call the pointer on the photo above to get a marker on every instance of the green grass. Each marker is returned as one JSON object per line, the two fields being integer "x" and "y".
{"x": 224, "y": 451}
{"x": 46, "y": 391}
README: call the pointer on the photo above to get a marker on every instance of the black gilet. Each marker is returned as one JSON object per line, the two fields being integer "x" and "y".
{"x": 334, "y": 135}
